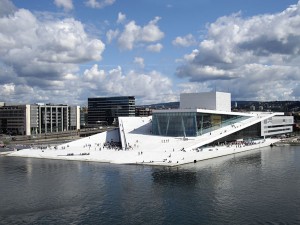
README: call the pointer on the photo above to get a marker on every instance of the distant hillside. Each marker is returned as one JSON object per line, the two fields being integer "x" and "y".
{"x": 276, "y": 106}
{"x": 166, "y": 105}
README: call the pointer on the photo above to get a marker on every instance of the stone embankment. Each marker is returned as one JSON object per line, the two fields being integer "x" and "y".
{"x": 289, "y": 141}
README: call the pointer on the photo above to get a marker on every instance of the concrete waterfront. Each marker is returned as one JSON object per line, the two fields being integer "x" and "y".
{"x": 140, "y": 148}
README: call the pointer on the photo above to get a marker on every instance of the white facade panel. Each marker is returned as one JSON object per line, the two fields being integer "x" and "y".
{"x": 223, "y": 101}
{"x": 277, "y": 125}
{"x": 206, "y": 100}
{"x": 27, "y": 126}
{"x": 198, "y": 100}
{"x": 78, "y": 118}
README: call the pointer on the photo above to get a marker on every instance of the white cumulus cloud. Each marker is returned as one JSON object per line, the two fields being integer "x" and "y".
{"x": 45, "y": 49}
{"x": 133, "y": 34}
{"x": 139, "y": 61}
{"x": 94, "y": 74}
{"x": 121, "y": 17}
{"x": 155, "y": 47}
{"x": 66, "y": 4}
{"x": 255, "y": 57}
{"x": 6, "y": 7}
{"x": 7, "y": 89}
{"x": 148, "y": 87}
{"x": 185, "y": 41}
{"x": 111, "y": 35}
{"x": 40, "y": 57}
{"x": 99, "y": 3}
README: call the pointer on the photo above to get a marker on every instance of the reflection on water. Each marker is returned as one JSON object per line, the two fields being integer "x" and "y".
{"x": 253, "y": 159}
{"x": 174, "y": 176}
{"x": 256, "y": 187}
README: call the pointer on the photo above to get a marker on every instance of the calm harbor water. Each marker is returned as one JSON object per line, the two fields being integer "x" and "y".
{"x": 256, "y": 187}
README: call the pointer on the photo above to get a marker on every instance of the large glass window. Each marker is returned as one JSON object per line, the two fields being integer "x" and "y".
{"x": 210, "y": 122}
{"x": 174, "y": 124}
{"x": 252, "y": 132}
{"x": 190, "y": 123}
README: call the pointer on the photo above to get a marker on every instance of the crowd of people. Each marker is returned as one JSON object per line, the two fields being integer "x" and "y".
{"x": 111, "y": 145}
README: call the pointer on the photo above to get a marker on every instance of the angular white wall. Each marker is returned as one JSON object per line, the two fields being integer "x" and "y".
{"x": 27, "y": 121}
{"x": 223, "y": 101}
{"x": 207, "y": 100}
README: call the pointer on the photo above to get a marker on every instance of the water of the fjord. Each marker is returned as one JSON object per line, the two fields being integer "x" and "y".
{"x": 256, "y": 187}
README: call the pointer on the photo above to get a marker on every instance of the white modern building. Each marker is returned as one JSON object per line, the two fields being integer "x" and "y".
{"x": 177, "y": 136}
{"x": 277, "y": 125}
{"x": 220, "y": 101}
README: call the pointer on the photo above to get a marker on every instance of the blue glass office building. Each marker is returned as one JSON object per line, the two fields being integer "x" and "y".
{"x": 106, "y": 110}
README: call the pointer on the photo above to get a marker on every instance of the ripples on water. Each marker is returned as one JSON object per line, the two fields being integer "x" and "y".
{"x": 257, "y": 187}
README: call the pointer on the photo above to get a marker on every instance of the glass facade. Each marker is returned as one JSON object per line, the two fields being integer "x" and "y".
{"x": 108, "y": 109}
{"x": 13, "y": 120}
{"x": 174, "y": 124}
{"x": 189, "y": 124}
{"x": 251, "y": 133}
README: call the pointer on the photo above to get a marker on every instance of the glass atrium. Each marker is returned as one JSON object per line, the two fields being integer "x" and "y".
{"x": 190, "y": 124}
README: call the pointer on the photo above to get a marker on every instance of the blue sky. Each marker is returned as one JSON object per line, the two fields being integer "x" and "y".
{"x": 64, "y": 51}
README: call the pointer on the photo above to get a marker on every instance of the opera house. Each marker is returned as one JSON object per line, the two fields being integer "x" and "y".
{"x": 203, "y": 127}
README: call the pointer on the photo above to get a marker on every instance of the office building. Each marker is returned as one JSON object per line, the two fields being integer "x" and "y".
{"x": 38, "y": 119}
{"x": 106, "y": 110}
{"x": 142, "y": 111}
{"x": 83, "y": 117}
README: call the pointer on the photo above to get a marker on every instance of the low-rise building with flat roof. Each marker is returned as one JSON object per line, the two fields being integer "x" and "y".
{"x": 38, "y": 119}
